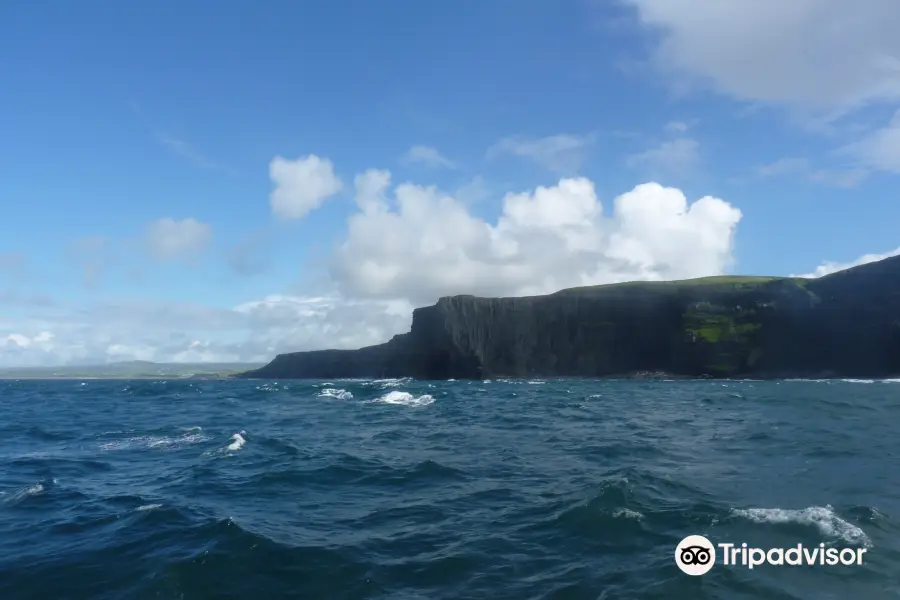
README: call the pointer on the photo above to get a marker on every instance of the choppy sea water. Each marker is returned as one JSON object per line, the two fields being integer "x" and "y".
{"x": 555, "y": 489}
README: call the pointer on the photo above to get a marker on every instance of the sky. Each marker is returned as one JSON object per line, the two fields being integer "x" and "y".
{"x": 195, "y": 181}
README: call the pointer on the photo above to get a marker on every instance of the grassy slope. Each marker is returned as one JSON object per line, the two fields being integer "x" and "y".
{"x": 721, "y": 317}
{"x": 720, "y": 282}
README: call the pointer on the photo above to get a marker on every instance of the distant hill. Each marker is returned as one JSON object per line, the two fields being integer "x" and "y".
{"x": 137, "y": 369}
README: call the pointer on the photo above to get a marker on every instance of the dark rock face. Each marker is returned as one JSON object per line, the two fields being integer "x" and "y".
{"x": 843, "y": 325}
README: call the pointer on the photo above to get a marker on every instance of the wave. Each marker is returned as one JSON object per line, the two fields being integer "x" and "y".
{"x": 23, "y": 493}
{"x": 511, "y": 492}
{"x": 822, "y": 518}
{"x": 335, "y": 393}
{"x": 155, "y": 442}
{"x": 405, "y": 399}
{"x": 237, "y": 442}
{"x": 388, "y": 383}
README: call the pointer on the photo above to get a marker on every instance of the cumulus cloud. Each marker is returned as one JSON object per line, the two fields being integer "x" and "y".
{"x": 419, "y": 244}
{"x": 405, "y": 245}
{"x": 301, "y": 185}
{"x": 821, "y": 54}
{"x": 428, "y": 156}
{"x": 562, "y": 153}
{"x": 169, "y": 239}
{"x": 16, "y": 348}
{"x": 829, "y": 267}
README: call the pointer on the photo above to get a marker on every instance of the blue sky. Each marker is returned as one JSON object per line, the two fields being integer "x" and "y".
{"x": 178, "y": 180}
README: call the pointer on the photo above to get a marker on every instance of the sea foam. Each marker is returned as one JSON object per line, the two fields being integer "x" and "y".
{"x": 822, "y": 518}
{"x": 406, "y": 399}
{"x": 335, "y": 393}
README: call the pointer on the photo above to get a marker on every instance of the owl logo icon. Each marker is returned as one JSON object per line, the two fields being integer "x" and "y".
{"x": 695, "y": 555}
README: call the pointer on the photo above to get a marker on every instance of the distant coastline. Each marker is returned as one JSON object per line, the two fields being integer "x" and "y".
{"x": 129, "y": 370}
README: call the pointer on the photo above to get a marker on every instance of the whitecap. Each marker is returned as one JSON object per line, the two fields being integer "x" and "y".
{"x": 822, "y": 518}
{"x": 146, "y": 507}
{"x": 335, "y": 393}
{"x": 858, "y": 380}
{"x": 406, "y": 399}
{"x": 386, "y": 383}
{"x": 31, "y": 490}
{"x": 536, "y": 382}
{"x": 238, "y": 441}
{"x": 191, "y": 436}
{"x": 627, "y": 513}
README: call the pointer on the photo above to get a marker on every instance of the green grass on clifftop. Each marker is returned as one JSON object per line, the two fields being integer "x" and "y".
{"x": 714, "y": 283}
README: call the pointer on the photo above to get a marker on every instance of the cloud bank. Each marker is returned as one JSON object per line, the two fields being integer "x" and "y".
{"x": 828, "y": 55}
{"x": 417, "y": 244}
{"x": 405, "y": 245}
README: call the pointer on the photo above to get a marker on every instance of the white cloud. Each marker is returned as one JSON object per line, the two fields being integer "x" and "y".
{"x": 422, "y": 244}
{"x": 472, "y": 192}
{"x": 562, "y": 153}
{"x": 169, "y": 332}
{"x": 170, "y": 239}
{"x": 830, "y": 55}
{"x": 829, "y": 267}
{"x": 677, "y": 158}
{"x": 301, "y": 185}
{"x": 405, "y": 246}
{"x": 428, "y": 156}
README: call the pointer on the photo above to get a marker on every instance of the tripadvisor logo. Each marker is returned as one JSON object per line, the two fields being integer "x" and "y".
{"x": 696, "y": 555}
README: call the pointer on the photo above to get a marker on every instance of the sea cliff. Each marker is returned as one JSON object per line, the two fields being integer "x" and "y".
{"x": 843, "y": 325}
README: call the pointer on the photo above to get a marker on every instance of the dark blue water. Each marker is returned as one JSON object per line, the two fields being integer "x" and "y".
{"x": 433, "y": 490}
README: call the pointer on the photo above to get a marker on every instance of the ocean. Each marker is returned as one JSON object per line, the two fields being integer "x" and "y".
{"x": 409, "y": 490}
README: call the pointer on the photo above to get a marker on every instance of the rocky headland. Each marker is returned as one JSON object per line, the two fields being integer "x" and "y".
{"x": 846, "y": 324}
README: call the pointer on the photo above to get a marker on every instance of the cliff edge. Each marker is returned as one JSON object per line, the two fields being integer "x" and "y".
{"x": 846, "y": 324}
